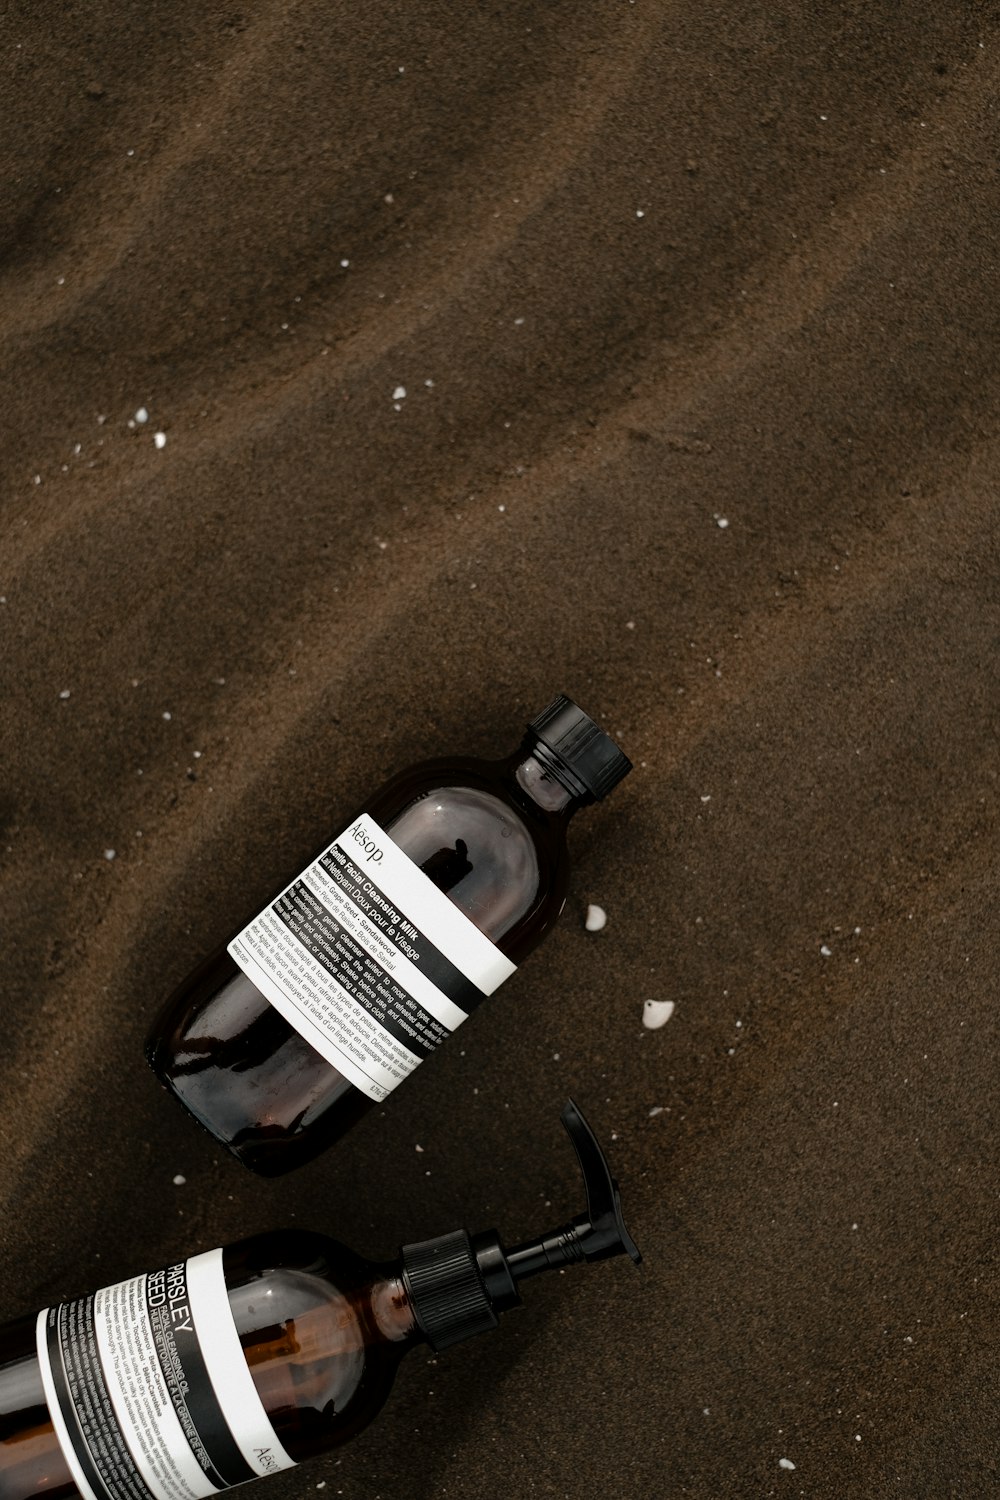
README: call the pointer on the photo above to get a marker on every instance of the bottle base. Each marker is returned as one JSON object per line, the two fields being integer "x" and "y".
{"x": 268, "y": 1150}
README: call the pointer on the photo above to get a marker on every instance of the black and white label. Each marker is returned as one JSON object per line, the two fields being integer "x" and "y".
{"x": 149, "y": 1391}
{"x": 368, "y": 960}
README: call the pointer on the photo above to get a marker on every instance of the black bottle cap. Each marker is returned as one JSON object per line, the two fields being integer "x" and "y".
{"x": 446, "y": 1289}
{"x": 458, "y": 1285}
{"x": 581, "y": 746}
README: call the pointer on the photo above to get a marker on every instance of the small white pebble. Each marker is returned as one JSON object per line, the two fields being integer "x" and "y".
{"x": 167, "y": 714}
{"x": 64, "y": 693}
{"x": 160, "y": 439}
{"x": 722, "y": 522}
{"x": 399, "y": 394}
{"x": 109, "y": 854}
{"x": 629, "y": 624}
{"x": 197, "y": 754}
{"x": 518, "y": 322}
{"x": 429, "y": 384}
{"x": 657, "y": 1109}
{"x": 826, "y": 952}
{"x": 707, "y": 797}
{"x": 180, "y": 1180}
{"x": 142, "y": 415}
{"x": 656, "y": 1013}
{"x": 595, "y": 919}
{"x": 785, "y": 1463}
{"x": 321, "y": 1485}
{"x": 419, "y": 1148}
{"x": 38, "y": 478}
{"x": 640, "y": 213}
{"x": 345, "y": 264}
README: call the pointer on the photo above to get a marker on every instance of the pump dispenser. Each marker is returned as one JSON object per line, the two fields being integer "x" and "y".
{"x": 373, "y": 956}
{"x": 458, "y": 1284}
{"x": 240, "y": 1362}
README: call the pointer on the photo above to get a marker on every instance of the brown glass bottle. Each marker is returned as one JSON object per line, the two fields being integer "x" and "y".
{"x": 322, "y": 1331}
{"x": 101, "y": 1399}
{"x": 490, "y": 835}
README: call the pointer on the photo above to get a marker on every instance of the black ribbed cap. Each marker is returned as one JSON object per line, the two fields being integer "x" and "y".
{"x": 591, "y": 756}
{"x": 457, "y": 1285}
{"x": 446, "y": 1289}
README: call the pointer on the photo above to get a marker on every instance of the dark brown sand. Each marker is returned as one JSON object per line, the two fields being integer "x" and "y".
{"x": 640, "y": 269}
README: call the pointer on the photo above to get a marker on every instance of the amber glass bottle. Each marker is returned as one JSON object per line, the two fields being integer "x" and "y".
{"x": 238, "y": 1363}
{"x": 321, "y": 1331}
{"x": 429, "y": 899}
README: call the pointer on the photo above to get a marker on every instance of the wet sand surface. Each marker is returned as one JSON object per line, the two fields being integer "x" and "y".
{"x": 695, "y": 310}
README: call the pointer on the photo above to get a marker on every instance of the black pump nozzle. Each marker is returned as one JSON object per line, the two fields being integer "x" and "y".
{"x": 458, "y": 1285}
{"x": 596, "y": 1235}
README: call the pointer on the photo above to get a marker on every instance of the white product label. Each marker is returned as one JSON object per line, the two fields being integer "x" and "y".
{"x": 368, "y": 960}
{"x": 149, "y": 1390}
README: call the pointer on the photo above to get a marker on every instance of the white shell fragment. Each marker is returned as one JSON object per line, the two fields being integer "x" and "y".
{"x": 595, "y": 919}
{"x": 785, "y": 1463}
{"x": 160, "y": 439}
{"x": 656, "y": 1013}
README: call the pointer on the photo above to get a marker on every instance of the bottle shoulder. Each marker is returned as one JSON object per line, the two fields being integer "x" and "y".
{"x": 469, "y": 826}
{"x": 420, "y": 779}
{"x": 312, "y": 1322}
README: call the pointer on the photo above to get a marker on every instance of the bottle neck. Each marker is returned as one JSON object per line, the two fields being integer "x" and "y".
{"x": 392, "y": 1311}
{"x": 547, "y": 780}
